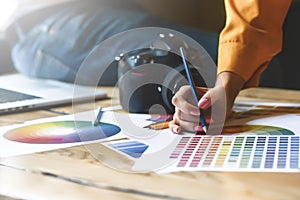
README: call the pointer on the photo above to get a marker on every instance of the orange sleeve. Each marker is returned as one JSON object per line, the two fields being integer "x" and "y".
{"x": 251, "y": 37}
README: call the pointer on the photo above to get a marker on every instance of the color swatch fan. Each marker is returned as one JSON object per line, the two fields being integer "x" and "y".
{"x": 60, "y": 132}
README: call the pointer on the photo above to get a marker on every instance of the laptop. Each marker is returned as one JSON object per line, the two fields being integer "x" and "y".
{"x": 20, "y": 93}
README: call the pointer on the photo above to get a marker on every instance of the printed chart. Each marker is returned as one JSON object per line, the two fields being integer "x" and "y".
{"x": 240, "y": 152}
{"x": 255, "y": 130}
{"x": 133, "y": 149}
{"x": 228, "y": 153}
{"x": 60, "y": 132}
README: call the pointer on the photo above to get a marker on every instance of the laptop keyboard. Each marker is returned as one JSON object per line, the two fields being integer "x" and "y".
{"x": 7, "y": 96}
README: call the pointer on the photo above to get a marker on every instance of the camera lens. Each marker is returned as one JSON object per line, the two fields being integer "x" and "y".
{"x": 151, "y": 76}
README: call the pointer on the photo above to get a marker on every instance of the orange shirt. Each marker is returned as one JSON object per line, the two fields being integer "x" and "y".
{"x": 251, "y": 37}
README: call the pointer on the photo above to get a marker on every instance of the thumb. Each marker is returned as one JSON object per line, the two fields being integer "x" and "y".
{"x": 211, "y": 97}
{"x": 205, "y": 101}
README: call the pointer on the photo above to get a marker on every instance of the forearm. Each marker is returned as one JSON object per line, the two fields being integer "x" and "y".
{"x": 251, "y": 37}
{"x": 231, "y": 84}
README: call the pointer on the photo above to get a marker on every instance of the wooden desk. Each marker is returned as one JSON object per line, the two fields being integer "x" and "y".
{"x": 73, "y": 173}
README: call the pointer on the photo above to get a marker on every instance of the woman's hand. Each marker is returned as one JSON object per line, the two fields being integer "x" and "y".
{"x": 218, "y": 101}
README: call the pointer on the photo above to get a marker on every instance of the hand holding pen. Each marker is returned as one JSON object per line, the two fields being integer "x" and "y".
{"x": 189, "y": 116}
{"x": 193, "y": 89}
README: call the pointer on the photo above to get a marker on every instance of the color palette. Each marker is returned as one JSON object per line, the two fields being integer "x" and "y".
{"x": 255, "y": 130}
{"x": 134, "y": 149}
{"x": 237, "y": 153}
{"x": 60, "y": 132}
{"x": 160, "y": 118}
{"x": 251, "y": 109}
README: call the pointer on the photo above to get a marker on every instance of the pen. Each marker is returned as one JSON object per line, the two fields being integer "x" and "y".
{"x": 192, "y": 84}
{"x": 158, "y": 125}
{"x": 98, "y": 118}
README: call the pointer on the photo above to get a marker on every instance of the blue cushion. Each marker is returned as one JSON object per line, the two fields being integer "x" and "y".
{"x": 56, "y": 47}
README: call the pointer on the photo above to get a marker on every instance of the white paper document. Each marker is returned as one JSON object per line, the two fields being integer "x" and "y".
{"x": 260, "y": 139}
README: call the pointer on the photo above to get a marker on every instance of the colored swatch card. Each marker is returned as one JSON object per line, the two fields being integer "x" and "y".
{"x": 264, "y": 144}
{"x": 267, "y": 103}
{"x": 131, "y": 148}
{"x": 232, "y": 153}
{"x": 246, "y": 109}
{"x": 160, "y": 118}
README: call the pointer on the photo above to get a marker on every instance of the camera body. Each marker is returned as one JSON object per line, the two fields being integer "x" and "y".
{"x": 149, "y": 78}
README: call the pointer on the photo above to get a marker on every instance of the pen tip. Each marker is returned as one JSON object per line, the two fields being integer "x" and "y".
{"x": 96, "y": 123}
{"x": 204, "y": 129}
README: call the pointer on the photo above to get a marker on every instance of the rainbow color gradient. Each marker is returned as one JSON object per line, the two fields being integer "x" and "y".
{"x": 61, "y": 132}
{"x": 255, "y": 130}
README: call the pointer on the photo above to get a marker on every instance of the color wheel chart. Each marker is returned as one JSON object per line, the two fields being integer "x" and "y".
{"x": 61, "y": 132}
{"x": 237, "y": 153}
{"x": 248, "y": 110}
{"x": 255, "y": 130}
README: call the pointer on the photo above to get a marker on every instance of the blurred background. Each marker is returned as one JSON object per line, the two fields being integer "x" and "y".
{"x": 203, "y": 14}
{"x": 200, "y": 19}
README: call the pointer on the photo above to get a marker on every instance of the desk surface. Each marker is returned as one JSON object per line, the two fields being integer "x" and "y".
{"x": 72, "y": 173}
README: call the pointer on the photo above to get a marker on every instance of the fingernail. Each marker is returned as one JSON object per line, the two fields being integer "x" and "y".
{"x": 175, "y": 129}
{"x": 204, "y": 103}
{"x": 198, "y": 128}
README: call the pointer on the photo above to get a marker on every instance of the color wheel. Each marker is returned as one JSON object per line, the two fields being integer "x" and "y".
{"x": 255, "y": 130}
{"x": 61, "y": 132}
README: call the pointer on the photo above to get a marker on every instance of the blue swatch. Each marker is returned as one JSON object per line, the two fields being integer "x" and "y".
{"x": 132, "y": 148}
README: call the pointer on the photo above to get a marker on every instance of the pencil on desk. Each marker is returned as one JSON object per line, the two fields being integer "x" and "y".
{"x": 98, "y": 118}
{"x": 158, "y": 125}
